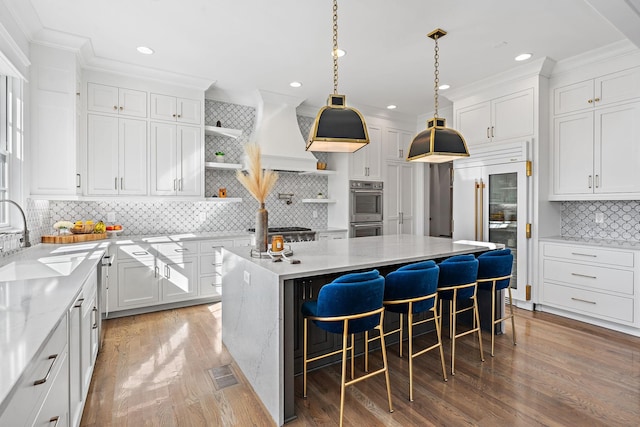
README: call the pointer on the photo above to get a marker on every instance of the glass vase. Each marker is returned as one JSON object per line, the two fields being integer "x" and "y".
{"x": 262, "y": 229}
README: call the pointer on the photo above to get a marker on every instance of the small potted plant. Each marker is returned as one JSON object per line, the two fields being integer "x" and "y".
{"x": 219, "y": 156}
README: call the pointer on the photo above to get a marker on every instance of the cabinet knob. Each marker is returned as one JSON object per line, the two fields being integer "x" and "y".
{"x": 174, "y": 115}
{"x": 121, "y": 108}
{"x": 179, "y": 116}
{"x": 597, "y": 99}
{"x": 115, "y": 107}
{"x": 590, "y": 101}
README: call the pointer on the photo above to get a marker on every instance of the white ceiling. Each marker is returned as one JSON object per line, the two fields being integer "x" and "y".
{"x": 254, "y": 44}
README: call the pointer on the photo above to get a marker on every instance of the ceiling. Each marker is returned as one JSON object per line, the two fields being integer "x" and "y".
{"x": 240, "y": 46}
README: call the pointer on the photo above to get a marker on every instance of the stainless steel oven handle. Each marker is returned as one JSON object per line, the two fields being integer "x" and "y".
{"x": 371, "y": 224}
{"x": 367, "y": 191}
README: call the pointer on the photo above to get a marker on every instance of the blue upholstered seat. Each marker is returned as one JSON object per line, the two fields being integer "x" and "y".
{"x": 494, "y": 274}
{"x": 492, "y": 264}
{"x": 457, "y": 281}
{"x": 409, "y": 290}
{"x": 352, "y": 302}
{"x": 349, "y": 294}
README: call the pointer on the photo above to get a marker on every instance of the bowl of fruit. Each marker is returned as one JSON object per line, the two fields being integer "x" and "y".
{"x": 113, "y": 230}
{"x": 83, "y": 227}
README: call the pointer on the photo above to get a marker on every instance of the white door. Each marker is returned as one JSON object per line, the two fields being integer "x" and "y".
{"x": 188, "y": 111}
{"x": 573, "y": 97}
{"x": 164, "y": 179}
{"x": 617, "y": 149}
{"x": 391, "y": 213}
{"x": 133, "y": 157}
{"x": 406, "y": 182}
{"x": 179, "y": 279}
{"x": 512, "y": 116}
{"x": 374, "y": 155}
{"x": 102, "y": 98}
{"x": 102, "y": 155}
{"x": 474, "y": 123}
{"x": 464, "y": 203}
{"x": 190, "y": 161}
{"x": 132, "y": 102}
{"x": 506, "y": 209}
{"x": 137, "y": 284}
{"x": 573, "y": 154}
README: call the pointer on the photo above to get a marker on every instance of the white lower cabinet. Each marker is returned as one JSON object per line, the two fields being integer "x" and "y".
{"x": 153, "y": 274}
{"x": 331, "y": 235}
{"x": 592, "y": 282}
{"x": 42, "y": 393}
{"x": 83, "y": 347}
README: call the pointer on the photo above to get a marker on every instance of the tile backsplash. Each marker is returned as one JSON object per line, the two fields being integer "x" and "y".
{"x": 144, "y": 217}
{"x": 621, "y": 219}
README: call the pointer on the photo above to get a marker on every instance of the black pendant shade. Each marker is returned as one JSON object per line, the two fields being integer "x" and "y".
{"x": 437, "y": 144}
{"x": 338, "y": 128}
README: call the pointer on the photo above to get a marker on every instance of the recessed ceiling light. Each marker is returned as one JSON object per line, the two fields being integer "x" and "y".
{"x": 145, "y": 50}
{"x": 295, "y": 84}
{"x": 392, "y": 107}
{"x": 340, "y": 52}
{"x": 523, "y": 57}
{"x": 444, "y": 87}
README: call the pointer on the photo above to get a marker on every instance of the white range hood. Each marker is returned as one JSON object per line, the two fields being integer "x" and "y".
{"x": 277, "y": 133}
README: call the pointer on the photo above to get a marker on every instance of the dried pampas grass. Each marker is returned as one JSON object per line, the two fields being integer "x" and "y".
{"x": 257, "y": 181}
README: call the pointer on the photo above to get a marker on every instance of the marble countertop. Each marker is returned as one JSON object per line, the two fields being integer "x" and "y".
{"x": 31, "y": 308}
{"x": 604, "y": 243}
{"x": 331, "y": 256}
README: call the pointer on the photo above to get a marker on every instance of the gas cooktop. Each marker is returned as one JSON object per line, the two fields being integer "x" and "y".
{"x": 282, "y": 229}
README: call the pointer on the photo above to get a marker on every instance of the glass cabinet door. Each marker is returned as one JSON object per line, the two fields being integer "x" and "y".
{"x": 503, "y": 214}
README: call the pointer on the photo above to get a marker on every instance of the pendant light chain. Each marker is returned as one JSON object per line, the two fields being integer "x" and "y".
{"x": 436, "y": 73}
{"x": 335, "y": 47}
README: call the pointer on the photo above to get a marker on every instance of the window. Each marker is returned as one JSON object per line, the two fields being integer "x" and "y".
{"x": 11, "y": 137}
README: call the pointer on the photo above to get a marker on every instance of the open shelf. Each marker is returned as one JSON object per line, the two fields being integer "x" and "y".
{"x": 318, "y": 200}
{"x": 319, "y": 172}
{"x": 216, "y": 131}
{"x": 216, "y": 165}
{"x": 223, "y": 199}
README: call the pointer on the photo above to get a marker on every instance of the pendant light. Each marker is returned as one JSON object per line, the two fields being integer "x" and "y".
{"x": 337, "y": 128}
{"x": 437, "y": 144}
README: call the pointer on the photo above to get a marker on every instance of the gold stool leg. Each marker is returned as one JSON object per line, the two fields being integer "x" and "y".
{"x": 477, "y": 313}
{"x": 513, "y": 322}
{"x": 345, "y": 353}
{"x": 452, "y": 330}
{"x": 400, "y": 337}
{"x": 304, "y": 360}
{"x": 493, "y": 315}
{"x": 410, "y": 329}
{"x": 352, "y": 354}
{"x": 436, "y": 320}
{"x": 366, "y": 351}
{"x": 384, "y": 361}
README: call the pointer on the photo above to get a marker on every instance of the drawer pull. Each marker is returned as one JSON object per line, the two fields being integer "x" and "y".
{"x": 95, "y": 321}
{"x": 53, "y": 358}
{"x": 181, "y": 250}
{"x": 79, "y": 303}
{"x": 140, "y": 253}
{"x": 583, "y": 300}
{"x": 583, "y": 275}
{"x": 54, "y": 420}
{"x": 581, "y": 254}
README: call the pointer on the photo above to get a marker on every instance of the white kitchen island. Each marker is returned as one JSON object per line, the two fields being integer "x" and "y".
{"x": 259, "y": 302}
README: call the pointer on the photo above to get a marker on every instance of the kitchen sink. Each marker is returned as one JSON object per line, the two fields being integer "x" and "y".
{"x": 55, "y": 266}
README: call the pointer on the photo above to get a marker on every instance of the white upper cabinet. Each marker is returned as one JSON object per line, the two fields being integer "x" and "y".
{"x": 396, "y": 144}
{"x": 176, "y": 160}
{"x": 365, "y": 163}
{"x": 503, "y": 118}
{"x": 183, "y": 110}
{"x": 116, "y": 156}
{"x": 110, "y": 99}
{"x": 589, "y": 94}
{"x": 596, "y": 138}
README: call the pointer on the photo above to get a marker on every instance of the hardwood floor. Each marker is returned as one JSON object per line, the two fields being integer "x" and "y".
{"x": 153, "y": 371}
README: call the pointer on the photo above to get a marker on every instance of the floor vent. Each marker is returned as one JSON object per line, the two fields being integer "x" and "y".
{"x": 222, "y": 376}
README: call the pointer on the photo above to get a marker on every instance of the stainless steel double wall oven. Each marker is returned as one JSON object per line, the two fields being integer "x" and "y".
{"x": 365, "y": 208}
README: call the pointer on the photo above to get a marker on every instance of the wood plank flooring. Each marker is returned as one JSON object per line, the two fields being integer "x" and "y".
{"x": 153, "y": 371}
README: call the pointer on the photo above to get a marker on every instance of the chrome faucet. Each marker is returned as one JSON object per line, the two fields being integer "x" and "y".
{"x": 25, "y": 234}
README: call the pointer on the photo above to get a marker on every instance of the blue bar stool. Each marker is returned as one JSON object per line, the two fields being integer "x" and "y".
{"x": 350, "y": 304}
{"x": 410, "y": 290}
{"x": 457, "y": 282}
{"x": 494, "y": 274}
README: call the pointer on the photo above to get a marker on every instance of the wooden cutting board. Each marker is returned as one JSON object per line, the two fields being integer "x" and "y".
{"x": 73, "y": 238}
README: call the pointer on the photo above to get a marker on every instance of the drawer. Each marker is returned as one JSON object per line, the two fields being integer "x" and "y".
{"x": 213, "y": 246}
{"x": 589, "y": 276}
{"x": 603, "y": 306}
{"x": 177, "y": 249}
{"x": 141, "y": 253}
{"x": 590, "y": 254}
{"x": 211, "y": 285}
{"x": 244, "y": 241}
{"x": 27, "y": 395}
{"x": 211, "y": 263}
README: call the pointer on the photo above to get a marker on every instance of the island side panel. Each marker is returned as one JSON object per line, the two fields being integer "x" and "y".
{"x": 253, "y": 330}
